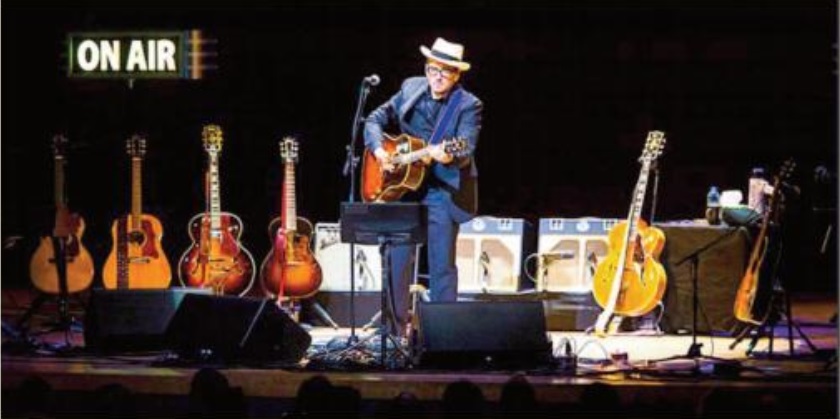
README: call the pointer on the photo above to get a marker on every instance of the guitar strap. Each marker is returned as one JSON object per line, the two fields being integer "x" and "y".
{"x": 446, "y": 116}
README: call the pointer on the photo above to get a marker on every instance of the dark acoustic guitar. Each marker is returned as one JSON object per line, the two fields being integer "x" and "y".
{"x": 216, "y": 259}
{"x": 65, "y": 240}
{"x": 630, "y": 281}
{"x": 753, "y": 300}
{"x": 409, "y": 155}
{"x": 136, "y": 259}
{"x": 289, "y": 269}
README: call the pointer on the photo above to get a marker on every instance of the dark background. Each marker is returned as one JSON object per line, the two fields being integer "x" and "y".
{"x": 570, "y": 92}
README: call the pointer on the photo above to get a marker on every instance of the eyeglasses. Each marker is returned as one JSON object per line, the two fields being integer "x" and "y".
{"x": 435, "y": 71}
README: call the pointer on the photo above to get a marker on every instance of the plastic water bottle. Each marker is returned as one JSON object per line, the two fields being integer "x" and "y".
{"x": 755, "y": 198}
{"x": 713, "y": 206}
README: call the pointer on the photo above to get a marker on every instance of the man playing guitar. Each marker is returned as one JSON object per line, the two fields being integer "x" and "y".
{"x": 433, "y": 108}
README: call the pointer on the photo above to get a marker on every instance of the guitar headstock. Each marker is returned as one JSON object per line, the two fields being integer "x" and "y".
{"x": 211, "y": 135}
{"x": 59, "y": 145}
{"x": 653, "y": 145}
{"x": 135, "y": 146}
{"x": 455, "y": 146}
{"x": 289, "y": 150}
{"x": 787, "y": 169}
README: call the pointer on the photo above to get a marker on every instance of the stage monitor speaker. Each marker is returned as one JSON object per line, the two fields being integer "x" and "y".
{"x": 131, "y": 320}
{"x": 568, "y": 251}
{"x": 499, "y": 334}
{"x": 489, "y": 255}
{"x": 334, "y": 257}
{"x": 227, "y": 328}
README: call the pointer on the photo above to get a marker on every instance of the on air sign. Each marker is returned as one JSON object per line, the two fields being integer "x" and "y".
{"x": 174, "y": 54}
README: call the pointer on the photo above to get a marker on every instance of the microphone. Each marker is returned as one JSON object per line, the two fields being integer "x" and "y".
{"x": 371, "y": 80}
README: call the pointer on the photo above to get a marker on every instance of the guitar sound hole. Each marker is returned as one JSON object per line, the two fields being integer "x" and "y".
{"x": 136, "y": 237}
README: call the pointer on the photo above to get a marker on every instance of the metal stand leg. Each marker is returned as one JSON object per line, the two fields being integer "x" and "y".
{"x": 793, "y": 324}
{"x": 376, "y": 318}
{"x": 388, "y": 317}
{"x": 324, "y": 315}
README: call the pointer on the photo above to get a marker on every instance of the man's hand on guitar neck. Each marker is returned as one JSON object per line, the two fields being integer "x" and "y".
{"x": 438, "y": 152}
{"x": 384, "y": 160}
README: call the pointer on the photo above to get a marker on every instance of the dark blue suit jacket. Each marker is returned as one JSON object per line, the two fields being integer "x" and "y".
{"x": 460, "y": 177}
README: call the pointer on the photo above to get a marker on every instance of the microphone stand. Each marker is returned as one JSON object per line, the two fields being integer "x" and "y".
{"x": 350, "y": 171}
{"x": 694, "y": 350}
{"x": 655, "y": 167}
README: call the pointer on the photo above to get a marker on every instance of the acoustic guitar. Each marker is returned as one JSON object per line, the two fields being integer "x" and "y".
{"x": 289, "y": 269}
{"x": 137, "y": 259}
{"x": 407, "y": 153}
{"x": 65, "y": 240}
{"x": 753, "y": 299}
{"x": 630, "y": 281}
{"x": 216, "y": 258}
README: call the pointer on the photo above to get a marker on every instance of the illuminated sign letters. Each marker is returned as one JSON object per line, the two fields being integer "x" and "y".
{"x": 137, "y": 54}
{"x": 107, "y": 55}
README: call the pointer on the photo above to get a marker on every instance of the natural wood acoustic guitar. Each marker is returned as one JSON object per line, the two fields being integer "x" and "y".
{"x": 754, "y": 296}
{"x": 630, "y": 281}
{"x": 137, "y": 259}
{"x": 410, "y": 156}
{"x": 64, "y": 244}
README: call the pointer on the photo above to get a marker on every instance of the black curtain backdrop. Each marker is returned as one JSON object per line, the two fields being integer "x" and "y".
{"x": 570, "y": 92}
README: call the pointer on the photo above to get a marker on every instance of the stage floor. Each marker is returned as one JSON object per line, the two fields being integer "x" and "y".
{"x": 647, "y": 377}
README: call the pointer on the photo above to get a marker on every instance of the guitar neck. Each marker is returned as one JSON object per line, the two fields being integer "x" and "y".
{"x": 214, "y": 197}
{"x": 638, "y": 202}
{"x": 413, "y": 156}
{"x": 629, "y": 235}
{"x": 59, "y": 182}
{"x": 136, "y": 192}
{"x": 61, "y": 227}
{"x": 765, "y": 222}
{"x": 289, "y": 214}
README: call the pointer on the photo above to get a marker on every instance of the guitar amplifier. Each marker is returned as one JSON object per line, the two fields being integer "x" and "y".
{"x": 489, "y": 255}
{"x": 334, "y": 257}
{"x": 568, "y": 250}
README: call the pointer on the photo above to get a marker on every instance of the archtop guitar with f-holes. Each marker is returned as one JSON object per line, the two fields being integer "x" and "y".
{"x": 216, "y": 259}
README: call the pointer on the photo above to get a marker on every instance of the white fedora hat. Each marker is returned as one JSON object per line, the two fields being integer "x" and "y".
{"x": 448, "y": 53}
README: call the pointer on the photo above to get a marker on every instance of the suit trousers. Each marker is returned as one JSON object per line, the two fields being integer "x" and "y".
{"x": 443, "y": 274}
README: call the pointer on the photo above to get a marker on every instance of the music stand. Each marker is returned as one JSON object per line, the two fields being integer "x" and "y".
{"x": 384, "y": 224}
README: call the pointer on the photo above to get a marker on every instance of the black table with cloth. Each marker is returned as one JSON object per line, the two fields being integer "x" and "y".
{"x": 720, "y": 268}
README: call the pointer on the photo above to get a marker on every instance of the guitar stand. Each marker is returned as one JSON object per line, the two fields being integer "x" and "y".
{"x": 767, "y": 328}
{"x": 780, "y": 307}
{"x": 65, "y": 323}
